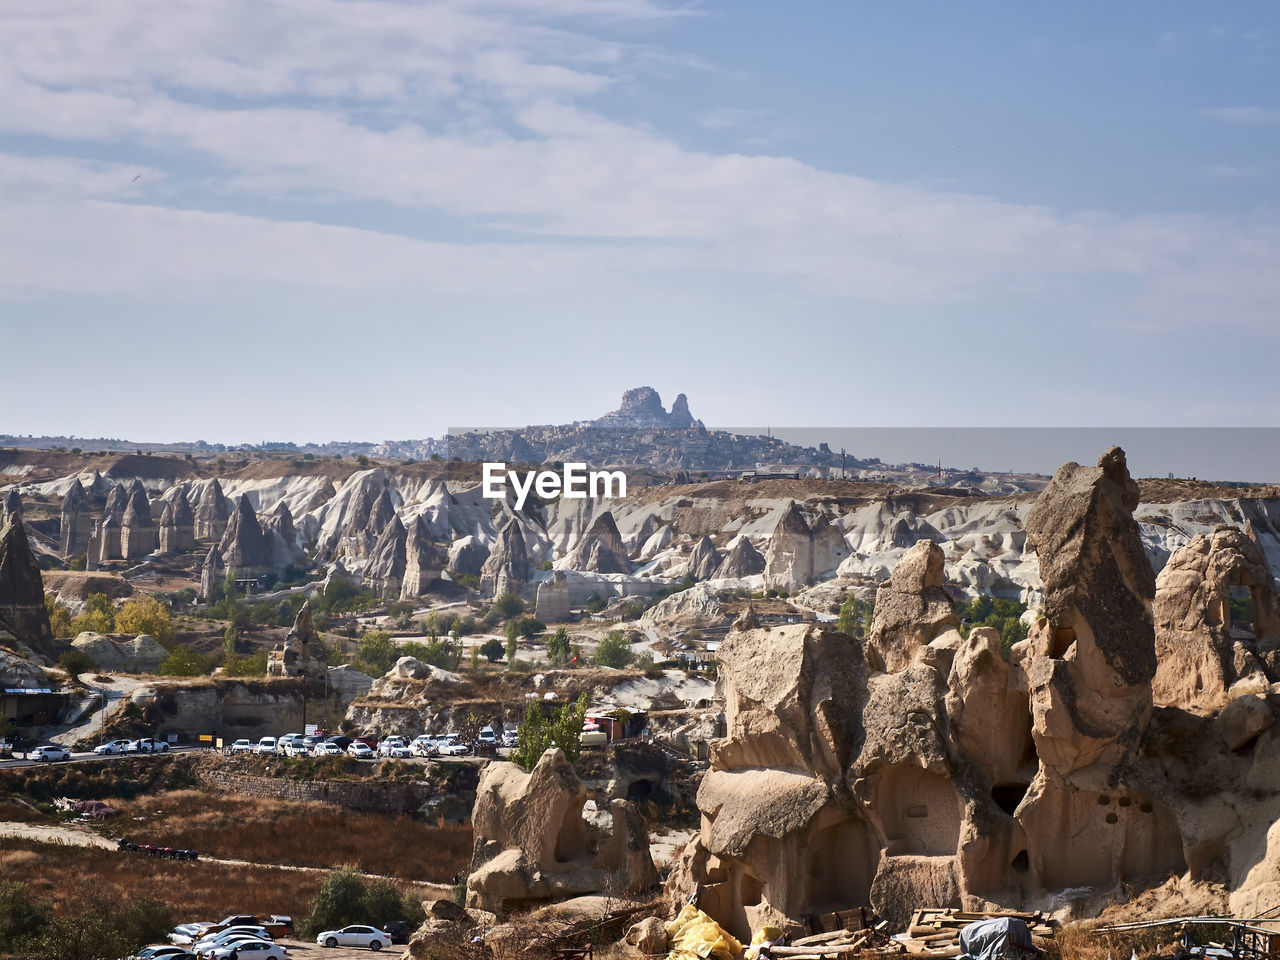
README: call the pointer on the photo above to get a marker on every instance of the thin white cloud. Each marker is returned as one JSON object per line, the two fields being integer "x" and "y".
{"x": 489, "y": 113}
{"x": 1245, "y": 116}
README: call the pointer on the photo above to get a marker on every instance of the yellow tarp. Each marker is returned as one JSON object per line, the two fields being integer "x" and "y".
{"x": 695, "y": 936}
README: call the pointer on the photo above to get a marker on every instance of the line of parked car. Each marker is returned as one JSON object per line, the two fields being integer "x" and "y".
{"x": 371, "y": 747}
{"x": 247, "y": 937}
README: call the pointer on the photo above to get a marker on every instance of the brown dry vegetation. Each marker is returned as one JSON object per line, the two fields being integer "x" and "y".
{"x": 79, "y": 878}
{"x": 298, "y": 834}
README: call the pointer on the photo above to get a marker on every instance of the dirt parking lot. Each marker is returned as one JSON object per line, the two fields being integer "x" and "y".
{"x": 310, "y": 950}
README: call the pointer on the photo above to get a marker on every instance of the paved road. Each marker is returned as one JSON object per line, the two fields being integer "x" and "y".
{"x": 89, "y": 757}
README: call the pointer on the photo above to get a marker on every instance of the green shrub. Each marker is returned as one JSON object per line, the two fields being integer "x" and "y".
{"x": 76, "y": 662}
{"x": 508, "y": 605}
{"x": 558, "y": 647}
{"x": 185, "y": 662}
{"x": 492, "y": 650}
{"x": 613, "y": 651}
{"x": 538, "y": 733}
{"x": 346, "y": 896}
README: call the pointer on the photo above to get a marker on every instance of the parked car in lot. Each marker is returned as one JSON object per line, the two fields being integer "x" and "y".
{"x": 423, "y": 746}
{"x": 453, "y": 747}
{"x": 249, "y": 950}
{"x": 232, "y": 935}
{"x": 50, "y": 752}
{"x": 368, "y": 740}
{"x": 297, "y": 748}
{"x": 283, "y": 744}
{"x": 397, "y": 930}
{"x": 360, "y": 750}
{"x": 326, "y": 749}
{"x": 487, "y": 738}
{"x": 266, "y": 745}
{"x": 152, "y": 745}
{"x": 355, "y": 935}
{"x": 111, "y": 747}
{"x": 510, "y": 738}
{"x": 342, "y": 742}
{"x": 163, "y": 951}
{"x": 242, "y": 746}
{"x": 389, "y": 744}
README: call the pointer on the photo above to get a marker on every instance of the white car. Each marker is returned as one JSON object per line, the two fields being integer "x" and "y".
{"x": 510, "y": 738}
{"x": 49, "y": 752}
{"x": 242, "y": 746}
{"x": 361, "y": 751}
{"x": 296, "y": 748}
{"x": 453, "y": 747}
{"x": 151, "y": 745}
{"x": 282, "y": 745}
{"x": 111, "y": 747}
{"x": 245, "y": 949}
{"x": 355, "y": 935}
{"x": 227, "y": 937}
{"x": 487, "y": 737}
{"x": 266, "y": 745}
{"x": 390, "y": 744}
{"x": 423, "y": 746}
{"x": 162, "y": 951}
{"x": 326, "y": 749}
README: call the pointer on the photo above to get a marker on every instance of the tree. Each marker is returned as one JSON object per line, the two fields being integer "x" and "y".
{"x": 184, "y": 662}
{"x": 98, "y": 616}
{"x": 513, "y": 642}
{"x": 613, "y": 651}
{"x": 378, "y": 651}
{"x": 59, "y": 617}
{"x": 147, "y": 615}
{"x": 347, "y": 897}
{"x": 539, "y": 733}
{"x": 508, "y": 605}
{"x": 530, "y": 627}
{"x": 850, "y": 620}
{"x": 76, "y": 662}
{"x": 558, "y": 647}
{"x": 491, "y": 650}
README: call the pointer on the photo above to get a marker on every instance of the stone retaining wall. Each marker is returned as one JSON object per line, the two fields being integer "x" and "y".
{"x": 367, "y": 796}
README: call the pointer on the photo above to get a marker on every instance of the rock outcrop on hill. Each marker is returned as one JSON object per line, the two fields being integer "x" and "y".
{"x": 554, "y": 602}
{"x": 137, "y": 526}
{"x": 141, "y": 654}
{"x": 22, "y": 610}
{"x": 601, "y": 548}
{"x": 533, "y": 844}
{"x": 743, "y": 560}
{"x": 11, "y": 507}
{"x": 177, "y": 527}
{"x": 424, "y": 562}
{"x": 371, "y": 510}
{"x": 508, "y": 569}
{"x": 301, "y": 654}
{"x": 75, "y": 523}
{"x": 213, "y": 513}
{"x": 704, "y": 559}
{"x": 108, "y": 537}
{"x": 912, "y": 611}
{"x": 117, "y": 502}
{"x": 467, "y": 556}
{"x": 385, "y": 571}
{"x": 244, "y": 546}
{"x": 1091, "y": 656}
{"x": 212, "y": 572}
{"x": 948, "y": 771}
{"x": 1201, "y": 666}
{"x": 788, "y": 561}
{"x": 642, "y": 407}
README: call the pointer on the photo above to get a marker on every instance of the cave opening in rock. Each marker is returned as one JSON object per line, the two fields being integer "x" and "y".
{"x": 640, "y": 790}
{"x": 751, "y": 890}
{"x": 1007, "y": 796}
{"x": 1021, "y": 863}
{"x": 842, "y": 864}
{"x": 1064, "y": 638}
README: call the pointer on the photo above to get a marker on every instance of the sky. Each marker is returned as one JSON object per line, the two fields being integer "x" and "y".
{"x": 311, "y": 220}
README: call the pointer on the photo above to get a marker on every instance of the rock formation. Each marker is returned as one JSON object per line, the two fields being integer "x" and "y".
{"x": 1200, "y": 665}
{"x": 743, "y": 560}
{"x": 244, "y": 546}
{"x": 601, "y": 549}
{"x": 75, "y": 524}
{"x": 22, "y": 609}
{"x": 177, "y": 527}
{"x": 912, "y": 611}
{"x": 385, "y": 571}
{"x": 642, "y": 407}
{"x": 553, "y": 604}
{"x": 508, "y": 569}
{"x": 117, "y": 502}
{"x": 947, "y": 771}
{"x": 141, "y": 654}
{"x": 137, "y": 526}
{"x": 212, "y": 573}
{"x": 704, "y": 559}
{"x": 213, "y": 513}
{"x": 301, "y": 654}
{"x": 788, "y": 563}
{"x": 368, "y": 515}
{"x": 424, "y": 565}
{"x": 532, "y": 843}
{"x": 109, "y": 537}
{"x": 467, "y": 556}
{"x": 11, "y": 508}
{"x": 1090, "y": 658}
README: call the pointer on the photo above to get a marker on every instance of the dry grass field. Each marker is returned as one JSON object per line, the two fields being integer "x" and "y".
{"x": 297, "y": 834}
